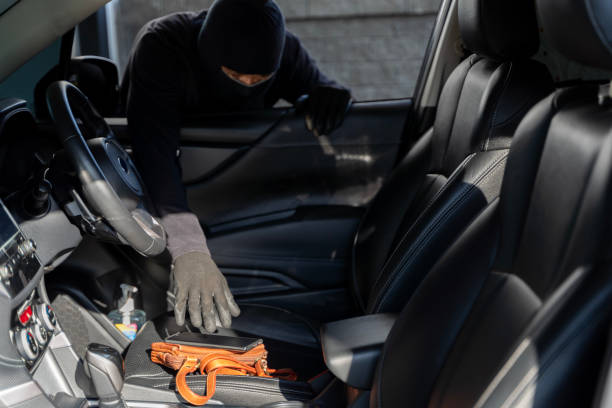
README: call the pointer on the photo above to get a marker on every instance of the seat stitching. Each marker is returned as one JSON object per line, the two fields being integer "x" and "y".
{"x": 419, "y": 219}
{"x": 443, "y": 216}
{"x": 247, "y": 389}
{"x": 410, "y": 260}
{"x": 385, "y": 350}
{"x": 159, "y": 375}
{"x": 424, "y": 190}
{"x": 410, "y": 256}
{"x": 362, "y": 303}
{"x": 395, "y": 247}
{"x": 433, "y": 200}
{"x": 259, "y": 387}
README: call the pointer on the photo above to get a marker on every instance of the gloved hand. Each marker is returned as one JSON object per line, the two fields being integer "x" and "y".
{"x": 326, "y": 107}
{"x": 200, "y": 285}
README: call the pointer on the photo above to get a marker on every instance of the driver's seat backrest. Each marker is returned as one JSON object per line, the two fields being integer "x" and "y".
{"x": 456, "y": 168}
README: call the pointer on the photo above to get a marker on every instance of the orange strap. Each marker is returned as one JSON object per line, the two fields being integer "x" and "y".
{"x": 222, "y": 364}
{"x": 189, "y": 366}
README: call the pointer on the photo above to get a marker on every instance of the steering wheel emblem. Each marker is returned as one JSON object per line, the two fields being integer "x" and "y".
{"x": 124, "y": 166}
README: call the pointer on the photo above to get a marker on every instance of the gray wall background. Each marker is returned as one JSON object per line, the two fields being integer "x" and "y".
{"x": 375, "y": 47}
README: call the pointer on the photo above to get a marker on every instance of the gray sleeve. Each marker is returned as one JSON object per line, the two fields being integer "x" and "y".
{"x": 184, "y": 234}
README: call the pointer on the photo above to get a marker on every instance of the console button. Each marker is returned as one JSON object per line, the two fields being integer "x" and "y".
{"x": 25, "y": 315}
{"x": 40, "y": 333}
{"x": 26, "y": 344}
{"x": 26, "y": 248}
{"x": 45, "y": 316}
{"x": 6, "y": 271}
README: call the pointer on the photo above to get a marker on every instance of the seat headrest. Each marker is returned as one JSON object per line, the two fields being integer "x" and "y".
{"x": 499, "y": 29}
{"x": 581, "y": 30}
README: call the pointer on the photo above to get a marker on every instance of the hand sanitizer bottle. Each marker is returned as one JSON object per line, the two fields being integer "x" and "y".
{"x": 126, "y": 318}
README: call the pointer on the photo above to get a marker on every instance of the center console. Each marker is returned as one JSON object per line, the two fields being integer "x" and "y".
{"x": 18, "y": 260}
{"x": 32, "y": 321}
{"x": 33, "y": 326}
{"x": 27, "y": 321}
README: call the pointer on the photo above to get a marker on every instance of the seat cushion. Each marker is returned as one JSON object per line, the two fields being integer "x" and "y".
{"x": 276, "y": 324}
{"x": 230, "y": 390}
{"x": 291, "y": 340}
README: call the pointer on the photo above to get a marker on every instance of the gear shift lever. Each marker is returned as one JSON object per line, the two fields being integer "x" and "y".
{"x": 104, "y": 365}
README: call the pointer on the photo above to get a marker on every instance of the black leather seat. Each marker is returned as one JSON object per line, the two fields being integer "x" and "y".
{"x": 517, "y": 311}
{"x": 453, "y": 172}
{"x": 450, "y": 175}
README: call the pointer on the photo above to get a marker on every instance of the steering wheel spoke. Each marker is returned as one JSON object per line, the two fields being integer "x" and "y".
{"x": 114, "y": 200}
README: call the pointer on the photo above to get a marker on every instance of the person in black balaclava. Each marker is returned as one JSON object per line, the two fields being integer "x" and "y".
{"x": 236, "y": 56}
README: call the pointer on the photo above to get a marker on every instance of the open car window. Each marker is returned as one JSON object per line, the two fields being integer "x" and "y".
{"x": 374, "y": 49}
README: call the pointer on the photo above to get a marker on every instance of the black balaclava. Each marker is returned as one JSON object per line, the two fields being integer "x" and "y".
{"x": 247, "y": 36}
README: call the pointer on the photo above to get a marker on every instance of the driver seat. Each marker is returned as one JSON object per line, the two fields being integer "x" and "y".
{"x": 451, "y": 174}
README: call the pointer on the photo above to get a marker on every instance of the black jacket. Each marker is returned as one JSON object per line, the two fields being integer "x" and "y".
{"x": 165, "y": 84}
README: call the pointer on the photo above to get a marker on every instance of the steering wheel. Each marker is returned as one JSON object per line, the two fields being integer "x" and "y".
{"x": 109, "y": 179}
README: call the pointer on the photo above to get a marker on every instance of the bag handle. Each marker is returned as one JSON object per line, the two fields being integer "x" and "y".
{"x": 211, "y": 365}
{"x": 189, "y": 366}
{"x": 223, "y": 364}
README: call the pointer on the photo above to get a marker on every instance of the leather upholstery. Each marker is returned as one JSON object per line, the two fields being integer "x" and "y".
{"x": 474, "y": 184}
{"x": 499, "y": 29}
{"x": 560, "y": 350}
{"x": 280, "y": 325}
{"x": 579, "y": 29}
{"x": 285, "y": 328}
{"x": 450, "y": 175}
{"x": 448, "y": 178}
{"x": 291, "y": 336}
{"x": 445, "y": 180}
{"x": 231, "y": 390}
{"x": 516, "y": 311}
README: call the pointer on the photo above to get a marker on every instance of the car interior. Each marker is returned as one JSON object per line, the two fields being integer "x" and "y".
{"x": 451, "y": 249}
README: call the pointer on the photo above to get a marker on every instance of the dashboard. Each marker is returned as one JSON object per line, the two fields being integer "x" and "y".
{"x": 18, "y": 260}
{"x": 33, "y": 321}
{"x": 34, "y": 239}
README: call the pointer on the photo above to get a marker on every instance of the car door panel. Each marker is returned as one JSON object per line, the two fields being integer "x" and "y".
{"x": 280, "y": 207}
{"x": 199, "y": 163}
{"x": 311, "y": 247}
{"x": 288, "y": 167}
{"x": 236, "y": 129}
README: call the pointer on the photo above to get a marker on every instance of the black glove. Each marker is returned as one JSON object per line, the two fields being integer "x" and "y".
{"x": 326, "y": 107}
{"x": 199, "y": 284}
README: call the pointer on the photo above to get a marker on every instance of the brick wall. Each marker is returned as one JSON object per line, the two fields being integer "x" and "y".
{"x": 375, "y": 47}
